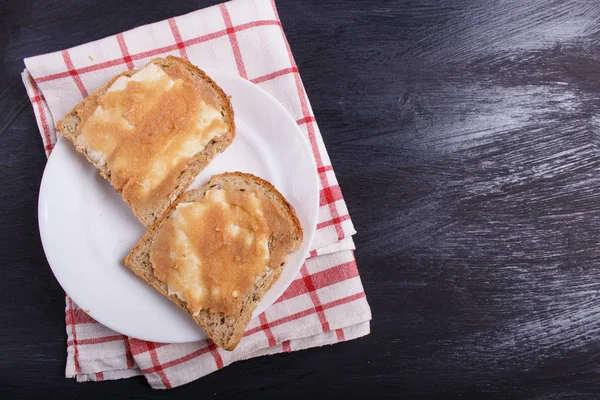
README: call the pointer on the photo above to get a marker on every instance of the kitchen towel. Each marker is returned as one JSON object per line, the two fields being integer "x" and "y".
{"x": 325, "y": 304}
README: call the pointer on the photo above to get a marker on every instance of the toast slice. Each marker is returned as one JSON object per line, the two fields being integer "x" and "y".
{"x": 151, "y": 147}
{"x": 225, "y": 328}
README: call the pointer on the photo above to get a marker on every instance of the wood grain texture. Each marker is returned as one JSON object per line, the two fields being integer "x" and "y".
{"x": 465, "y": 137}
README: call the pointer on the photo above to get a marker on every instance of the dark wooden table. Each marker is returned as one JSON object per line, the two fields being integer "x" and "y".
{"x": 465, "y": 136}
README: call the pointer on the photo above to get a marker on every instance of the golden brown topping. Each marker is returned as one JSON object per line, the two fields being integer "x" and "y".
{"x": 146, "y": 128}
{"x": 210, "y": 252}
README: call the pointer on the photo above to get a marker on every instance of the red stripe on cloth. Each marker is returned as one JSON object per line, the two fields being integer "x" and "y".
{"x": 138, "y": 346}
{"x": 178, "y": 361}
{"x": 310, "y": 128}
{"x": 214, "y": 350}
{"x": 158, "y": 367}
{"x": 325, "y": 168}
{"x": 78, "y": 316}
{"x": 237, "y": 54}
{"x": 104, "y": 339}
{"x": 312, "y": 292}
{"x": 324, "y": 181}
{"x": 99, "y": 376}
{"x": 124, "y": 51}
{"x": 155, "y": 52}
{"x": 265, "y": 327}
{"x": 74, "y": 334}
{"x": 83, "y": 70}
{"x": 274, "y": 75}
{"x": 73, "y": 72}
{"x": 128, "y": 353}
{"x": 254, "y": 24}
{"x": 45, "y": 127}
{"x": 285, "y": 346}
{"x": 177, "y": 37}
{"x": 141, "y": 346}
{"x": 313, "y": 253}
{"x": 52, "y": 77}
{"x": 340, "y": 335}
{"x": 344, "y": 300}
{"x": 333, "y": 221}
{"x": 205, "y": 38}
{"x": 310, "y": 311}
{"x": 321, "y": 279}
{"x": 330, "y": 195}
{"x": 305, "y": 120}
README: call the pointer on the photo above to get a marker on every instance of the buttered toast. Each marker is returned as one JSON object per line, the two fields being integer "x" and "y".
{"x": 151, "y": 131}
{"x": 218, "y": 249}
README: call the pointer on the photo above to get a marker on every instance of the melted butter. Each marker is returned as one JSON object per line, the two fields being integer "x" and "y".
{"x": 210, "y": 252}
{"x": 146, "y": 128}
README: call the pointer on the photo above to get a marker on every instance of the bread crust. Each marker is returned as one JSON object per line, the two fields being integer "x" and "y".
{"x": 225, "y": 331}
{"x": 147, "y": 215}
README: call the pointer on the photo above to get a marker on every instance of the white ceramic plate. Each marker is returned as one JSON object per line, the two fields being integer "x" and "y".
{"x": 87, "y": 229}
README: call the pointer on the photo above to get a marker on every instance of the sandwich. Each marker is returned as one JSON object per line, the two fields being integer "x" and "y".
{"x": 151, "y": 131}
{"x": 218, "y": 249}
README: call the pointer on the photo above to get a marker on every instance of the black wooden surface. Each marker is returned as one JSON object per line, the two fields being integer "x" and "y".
{"x": 465, "y": 136}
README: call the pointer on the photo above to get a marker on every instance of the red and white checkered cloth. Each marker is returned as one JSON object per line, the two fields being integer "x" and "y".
{"x": 325, "y": 304}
